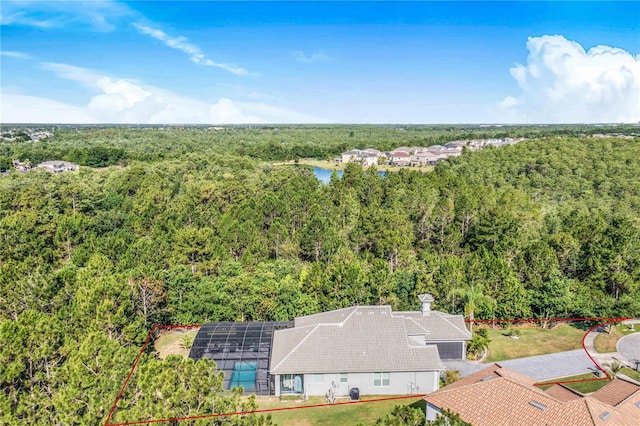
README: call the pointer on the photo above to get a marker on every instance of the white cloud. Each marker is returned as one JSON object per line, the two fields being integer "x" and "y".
{"x": 300, "y": 56}
{"x": 563, "y": 83}
{"x": 194, "y": 52}
{"x": 99, "y": 15}
{"x": 84, "y": 76}
{"x": 120, "y": 100}
{"x": 16, "y": 108}
{"x": 17, "y": 55}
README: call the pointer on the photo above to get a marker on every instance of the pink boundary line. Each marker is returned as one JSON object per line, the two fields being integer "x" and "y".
{"x": 157, "y": 327}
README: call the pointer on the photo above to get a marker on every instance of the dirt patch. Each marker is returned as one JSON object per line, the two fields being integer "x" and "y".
{"x": 175, "y": 342}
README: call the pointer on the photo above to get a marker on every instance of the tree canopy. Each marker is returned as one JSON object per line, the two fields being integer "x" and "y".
{"x": 180, "y": 226}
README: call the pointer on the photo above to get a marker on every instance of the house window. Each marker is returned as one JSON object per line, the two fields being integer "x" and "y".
{"x": 343, "y": 377}
{"x": 380, "y": 379}
{"x": 291, "y": 384}
{"x": 318, "y": 379}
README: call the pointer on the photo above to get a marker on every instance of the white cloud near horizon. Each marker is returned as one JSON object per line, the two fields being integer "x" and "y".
{"x": 563, "y": 83}
{"x": 194, "y": 52}
{"x": 120, "y": 100}
{"x": 18, "y": 108}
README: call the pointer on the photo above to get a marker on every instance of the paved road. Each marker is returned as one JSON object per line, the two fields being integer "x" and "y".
{"x": 629, "y": 348}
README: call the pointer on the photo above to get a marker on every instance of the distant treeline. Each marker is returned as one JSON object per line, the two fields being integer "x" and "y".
{"x": 99, "y": 147}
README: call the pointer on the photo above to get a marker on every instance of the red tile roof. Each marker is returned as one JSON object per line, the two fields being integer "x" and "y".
{"x": 615, "y": 392}
{"x": 497, "y": 396}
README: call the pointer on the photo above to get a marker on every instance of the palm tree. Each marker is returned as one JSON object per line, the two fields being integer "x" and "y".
{"x": 472, "y": 296}
{"x": 614, "y": 367}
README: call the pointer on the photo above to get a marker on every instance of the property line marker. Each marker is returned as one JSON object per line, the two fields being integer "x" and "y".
{"x": 602, "y": 321}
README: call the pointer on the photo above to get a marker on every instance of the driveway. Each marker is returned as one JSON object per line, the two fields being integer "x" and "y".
{"x": 629, "y": 348}
{"x": 552, "y": 366}
{"x": 541, "y": 367}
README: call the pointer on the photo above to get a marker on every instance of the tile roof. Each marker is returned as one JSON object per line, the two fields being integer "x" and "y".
{"x": 615, "y": 392}
{"x": 496, "y": 396}
{"x": 563, "y": 393}
{"x": 363, "y": 339}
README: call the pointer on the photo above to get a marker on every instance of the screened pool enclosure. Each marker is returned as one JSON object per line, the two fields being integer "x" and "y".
{"x": 241, "y": 349}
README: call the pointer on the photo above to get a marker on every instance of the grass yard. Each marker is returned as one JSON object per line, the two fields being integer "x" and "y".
{"x": 347, "y": 414}
{"x": 533, "y": 341}
{"x": 585, "y": 387}
{"x": 631, "y": 373}
{"x": 171, "y": 342}
{"x": 606, "y": 342}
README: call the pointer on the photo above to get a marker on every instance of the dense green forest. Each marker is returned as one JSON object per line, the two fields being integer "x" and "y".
{"x": 181, "y": 226}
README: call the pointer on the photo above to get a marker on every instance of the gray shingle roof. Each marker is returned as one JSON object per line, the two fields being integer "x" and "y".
{"x": 362, "y": 339}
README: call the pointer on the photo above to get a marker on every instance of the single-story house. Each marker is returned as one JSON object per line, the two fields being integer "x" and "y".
{"x": 497, "y": 396}
{"x": 370, "y": 348}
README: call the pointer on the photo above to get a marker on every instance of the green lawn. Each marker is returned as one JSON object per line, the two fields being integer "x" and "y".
{"x": 631, "y": 373}
{"x": 587, "y": 386}
{"x": 348, "y": 414}
{"x": 606, "y": 342}
{"x": 533, "y": 341}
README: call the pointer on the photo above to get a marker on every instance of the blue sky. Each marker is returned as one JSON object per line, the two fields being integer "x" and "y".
{"x": 331, "y": 62}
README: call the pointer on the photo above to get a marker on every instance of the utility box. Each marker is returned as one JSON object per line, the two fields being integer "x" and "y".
{"x": 354, "y": 393}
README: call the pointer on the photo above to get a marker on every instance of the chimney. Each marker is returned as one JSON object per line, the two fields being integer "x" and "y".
{"x": 425, "y": 300}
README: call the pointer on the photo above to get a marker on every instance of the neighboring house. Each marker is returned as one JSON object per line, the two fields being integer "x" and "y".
{"x": 350, "y": 156}
{"x": 36, "y": 136}
{"x": 366, "y": 347}
{"x": 455, "y": 144}
{"x": 59, "y": 166}
{"x": 436, "y": 148}
{"x": 426, "y": 158}
{"x": 400, "y": 158}
{"x": 498, "y": 396}
{"x": 451, "y": 152}
{"x": 22, "y": 167}
{"x": 366, "y": 157}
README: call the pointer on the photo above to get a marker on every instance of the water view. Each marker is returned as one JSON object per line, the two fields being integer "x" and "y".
{"x": 324, "y": 175}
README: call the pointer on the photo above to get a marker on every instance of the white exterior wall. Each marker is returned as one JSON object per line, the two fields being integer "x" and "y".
{"x": 370, "y": 161}
{"x": 432, "y": 412}
{"x": 400, "y": 383}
